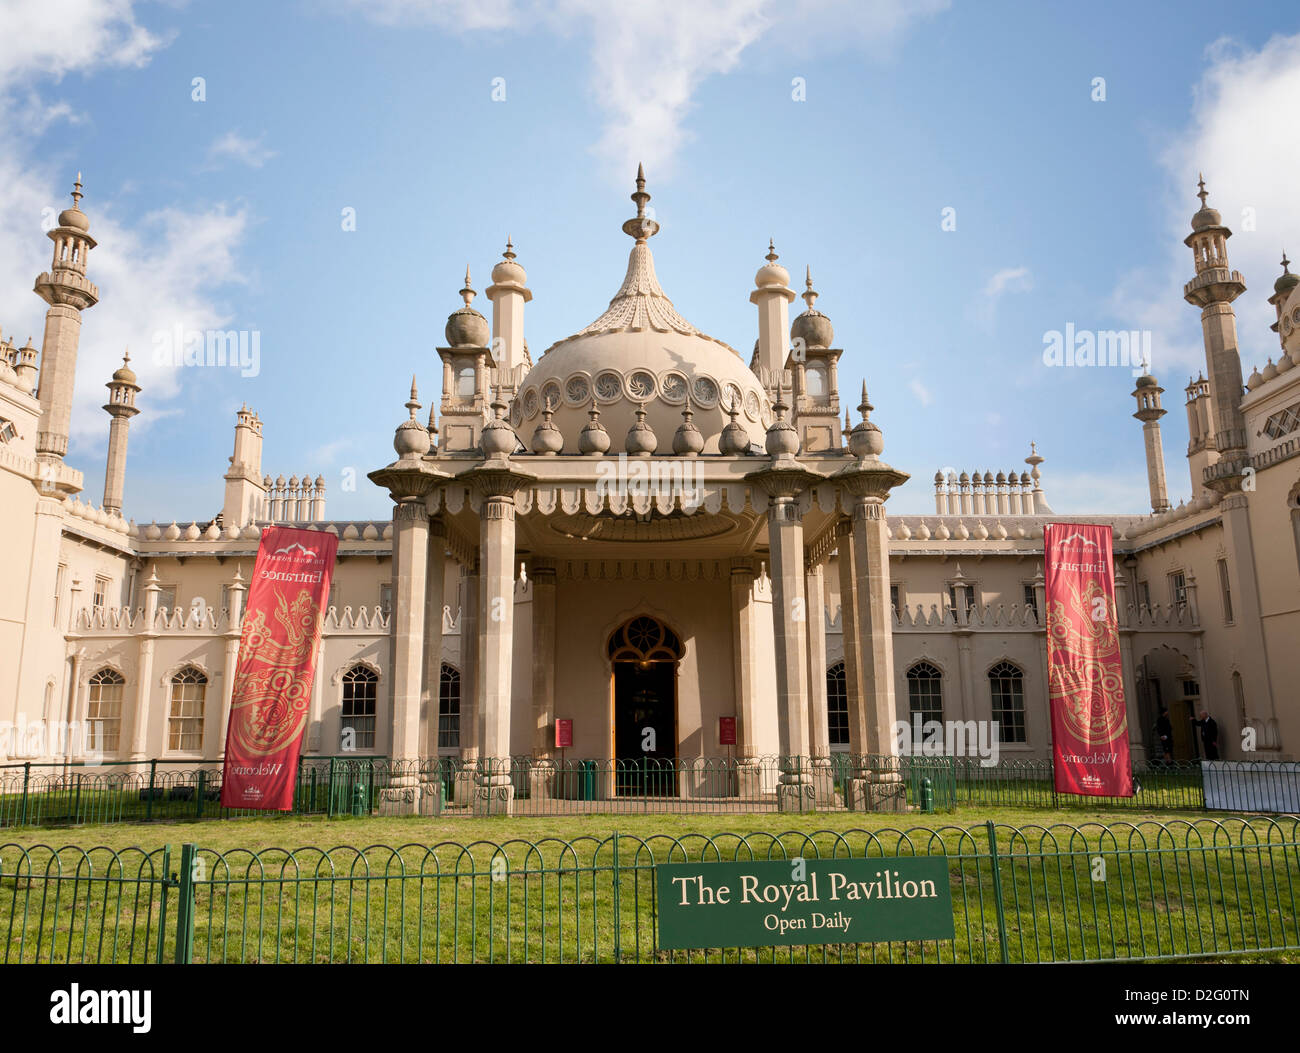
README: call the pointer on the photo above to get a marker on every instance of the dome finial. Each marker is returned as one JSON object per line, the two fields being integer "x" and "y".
{"x": 413, "y": 403}
{"x": 1286, "y": 264}
{"x": 641, "y": 226}
{"x": 1203, "y": 192}
{"x": 771, "y": 256}
{"x": 508, "y": 254}
{"x": 809, "y": 296}
{"x": 865, "y": 407}
{"x": 467, "y": 294}
{"x": 76, "y": 193}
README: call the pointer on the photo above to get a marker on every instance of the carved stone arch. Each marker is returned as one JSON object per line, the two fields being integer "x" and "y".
{"x": 91, "y": 666}
{"x": 641, "y": 609}
{"x": 1004, "y": 657}
{"x": 337, "y": 677}
{"x": 924, "y": 656}
{"x": 189, "y": 663}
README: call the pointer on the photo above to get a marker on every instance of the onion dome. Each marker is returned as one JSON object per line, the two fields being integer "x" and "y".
{"x": 988, "y": 478}
{"x": 964, "y": 479}
{"x": 1254, "y": 381}
{"x": 782, "y": 439}
{"x": 734, "y": 440}
{"x": 1024, "y": 478}
{"x": 498, "y": 439}
{"x": 1001, "y": 478}
{"x": 640, "y": 441}
{"x": 938, "y": 478}
{"x": 1207, "y": 217}
{"x": 867, "y": 439}
{"x": 687, "y": 440}
{"x": 266, "y": 482}
{"x": 320, "y": 482}
{"x": 772, "y": 275}
{"x": 125, "y": 374}
{"x": 1269, "y": 371}
{"x": 508, "y": 272}
{"x": 73, "y": 217}
{"x": 812, "y": 327}
{"x": 593, "y": 440}
{"x": 1146, "y": 380}
{"x": 411, "y": 438}
{"x": 547, "y": 438}
{"x": 1284, "y": 363}
{"x": 1286, "y": 281}
{"x": 293, "y": 483}
{"x": 465, "y": 326}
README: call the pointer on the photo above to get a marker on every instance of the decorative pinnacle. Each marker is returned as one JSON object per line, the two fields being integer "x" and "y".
{"x": 780, "y": 404}
{"x": 498, "y": 406}
{"x": 771, "y": 256}
{"x": 126, "y": 356}
{"x": 508, "y": 254}
{"x": 1203, "y": 193}
{"x": 594, "y": 412}
{"x": 76, "y": 193}
{"x": 414, "y": 403}
{"x": 865, "y": 407}
{"x": 641, "y": 226}
{"x": 810, "y": 296}
{"x": 1286, "y": 264}
{"x": 467, "y": 294}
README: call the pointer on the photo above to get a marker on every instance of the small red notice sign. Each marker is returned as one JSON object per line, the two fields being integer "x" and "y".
{"x": 563, "y": 734}
{"x": 726, "y": 731}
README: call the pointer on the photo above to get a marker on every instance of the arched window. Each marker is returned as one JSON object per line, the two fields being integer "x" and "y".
{"x": 1007, "y": 689}
{"x": 925, "y": 692}
{"x": 448, "y": 708}
{"x": 837, "y": 705}
{"x": 185, "y": 720}
{"x": 104, "y": 710}
{"x": 465, "y": 382}
{"x": 360, "y": 690}
{"x": 644, "y": 639}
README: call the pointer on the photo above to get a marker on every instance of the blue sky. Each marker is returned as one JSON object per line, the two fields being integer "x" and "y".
{"x": 227, "y": 212}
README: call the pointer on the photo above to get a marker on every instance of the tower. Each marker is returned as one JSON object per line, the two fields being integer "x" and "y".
{"x": 508, "y": 293}
{"x": 773, "y": 296}
{"x": 1281, "y": 291}
{"x": 1149, "y": 412}
{"x": 1213, "y": 289}
{"x": 1200, "y": 443}
{"x": 121, "y": 407}
{"x": 245, "y": 486}
{"x": 814, "y": 365}
{"x": 466, "y": 366}
{"x": 65, "y": 288}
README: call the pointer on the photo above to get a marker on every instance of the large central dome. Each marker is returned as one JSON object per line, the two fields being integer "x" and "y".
{"x": 641, "y": 351}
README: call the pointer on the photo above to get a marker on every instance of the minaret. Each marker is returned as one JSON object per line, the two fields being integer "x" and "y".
{"x": 508, "y": 294}
{"x": 814, "y": 365}
{"x": 1149, "y": 412}
{"x": 65, "y": 288}
{"x": 1213, "y": 289}
{"x": 121, "y": 407}
{"x": 773, "y": 296}
{"x": 1281, "y": 291}
{"x": 245, "y": 485}
{"x": 1200, "y": 439}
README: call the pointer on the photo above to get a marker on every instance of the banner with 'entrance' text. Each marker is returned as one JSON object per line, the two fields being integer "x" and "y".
{"x": 277, "y": 654}
{"x": 1085, "y": 675}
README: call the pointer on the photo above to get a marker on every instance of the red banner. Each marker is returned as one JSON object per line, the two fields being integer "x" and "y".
{"x": 1089, "y": 715}
{"x": 277, "y": 654}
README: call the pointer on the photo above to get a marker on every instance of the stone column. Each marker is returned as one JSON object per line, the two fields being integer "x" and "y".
{"x": 75, "y": 739}
{"x": 230, "y": 665}
{"x": 789, "y": 625}
{"x": 745, "y": 675}
{"x": 965, "y": 676}
{"x": 818, "y": 719}
{"x": 848, "y": 629}
{"x": 541, "y": 777}
{"x": 430, "y": 774}
{"x": 410, "y": 579}
{"x": 469, "y": 678}
{"x": 495, "y": 792}
{"x": 144, "y": 672}
{"x": 883, "y": 789}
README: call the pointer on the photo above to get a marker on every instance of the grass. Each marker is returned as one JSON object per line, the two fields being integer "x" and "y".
{"x": 544, "y": 889}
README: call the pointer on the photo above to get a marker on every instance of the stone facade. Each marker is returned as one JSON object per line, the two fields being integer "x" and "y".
{"x": 641, "y": 531}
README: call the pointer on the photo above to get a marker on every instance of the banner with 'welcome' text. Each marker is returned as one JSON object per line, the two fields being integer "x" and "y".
{"x": 1086, "y": 679}
{"x": 277, "y": 654}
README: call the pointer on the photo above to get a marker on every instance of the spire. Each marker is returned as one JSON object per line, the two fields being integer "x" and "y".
{"x": 641, "y": 226}
{"x": 413, "y": 403}
{"x": 76, "y": 193}
{"x": 467, "y": 294}
{"x": 508, "y": 254}
{"x": 771, "y": 256}
{"x": 809, "y": 296}
{"x": 1203, "y": 194}
{"x": 865, "y": 407}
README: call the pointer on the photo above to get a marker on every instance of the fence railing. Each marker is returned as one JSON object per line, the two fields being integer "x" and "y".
{"x": 1144, "y": 891}
{"x": 143, "y": 791}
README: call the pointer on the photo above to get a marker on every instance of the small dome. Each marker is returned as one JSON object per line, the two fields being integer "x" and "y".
{"x": 1146, "y": 380}
{"x": 1269, "y": 371}
{"x": 687, "y": 440}
{"x": 465, "y": 326}
{"x": 593, "y": 440}
{"x": 73, "y": 217}
{"x": 508, "y": 272}
{"x": 1206, "y": 218}
{"x": 497, "y": 439}
{"x": 734, "y": 440}
{"x": 772, "y": 275}
{"x": 1286, "y": 280}
{"x": 812, "y": 327}
{"x": 411, "y": 439}
{"x": 641, "y": 440}
{"x": 1255, "y": 380}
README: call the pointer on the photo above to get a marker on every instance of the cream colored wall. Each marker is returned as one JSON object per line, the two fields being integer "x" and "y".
{"x": 17, "y": 532}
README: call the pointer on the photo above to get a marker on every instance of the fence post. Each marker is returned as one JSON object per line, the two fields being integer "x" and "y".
{"x": 997, "y": 890}
{"x": 329, "y": 793}
{"x": 198, "y": 795}
{"x": 163, "y": 886}
{"x": 148, "y": 800}
{"x": 185, "y": 907}
{"x": 27, "y": 775}
{"x": 618, "y": 951}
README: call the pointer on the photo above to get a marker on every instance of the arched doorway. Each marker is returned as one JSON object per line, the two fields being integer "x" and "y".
{"x": 644, "y": 654}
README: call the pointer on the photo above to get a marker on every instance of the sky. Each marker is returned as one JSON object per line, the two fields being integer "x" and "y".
{"x": 963, "y": 178}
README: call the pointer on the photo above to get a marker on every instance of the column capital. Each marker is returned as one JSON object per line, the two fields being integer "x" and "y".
{"x": 410, "y": 510}
{"x": 783, "y": 480}
{"x": 869, "y": 478}
{"x": 496, "y": 481}
{"x": 542, "y": 570}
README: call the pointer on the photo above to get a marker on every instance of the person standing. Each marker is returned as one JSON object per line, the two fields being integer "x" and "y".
{"x": 1165, "y": 735}
{"x": 1209, "y": 735}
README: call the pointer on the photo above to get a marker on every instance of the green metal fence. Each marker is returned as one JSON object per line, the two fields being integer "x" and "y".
{"x": 142, "y": 791}
{"x": 1143, "y": 891}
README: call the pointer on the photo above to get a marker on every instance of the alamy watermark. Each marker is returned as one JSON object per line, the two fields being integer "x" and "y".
{"x": 678, "y": 478}
{"x": 951, "y": 738}
{"x": 30, "y": 740}
{"x": 217, "y": 348}
{"x": 1103, "y": 347}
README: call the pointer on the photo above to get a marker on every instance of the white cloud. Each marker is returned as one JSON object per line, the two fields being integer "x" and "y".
{"x": 921, "y": 392}
{"x": 649, "y": 60}
{"x": 1240, "y": 135}
{"x": 235, "y": 147}
{"x": 1007, "y": 280}
{"x": 151, "y": 271}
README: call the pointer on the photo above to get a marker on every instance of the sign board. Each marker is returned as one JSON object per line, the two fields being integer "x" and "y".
{"x": 726, "y": 731}
{"x": 563, "y": 734}
{"x": 793, "y": 902}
